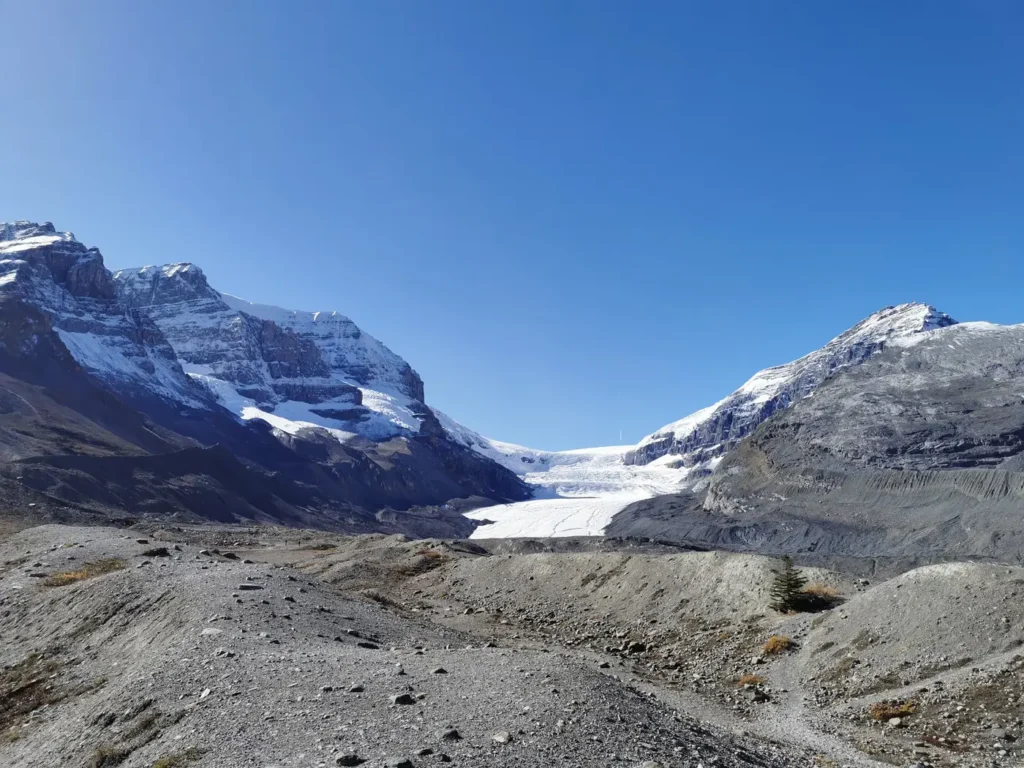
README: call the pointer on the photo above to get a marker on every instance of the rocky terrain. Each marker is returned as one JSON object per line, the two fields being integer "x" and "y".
{"x": 263, "y": 646}
{"x": 162, "y": 649}
{"x": 693, "y": 628}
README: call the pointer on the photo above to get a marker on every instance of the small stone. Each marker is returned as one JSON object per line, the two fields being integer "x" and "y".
{"x": 403, "y": 699}
{"x": 424, "y": 752}
{"x": 349, "y": 758}
{"x": 502, "y": 737}
{"x": 209, "y": 631}
{"x": 448, "y": 734}
{"x": 399, "y": 762}
{"x": 249, "y": 586}
{"x": 357, "y": 688}
{"x": 439, "y": 671}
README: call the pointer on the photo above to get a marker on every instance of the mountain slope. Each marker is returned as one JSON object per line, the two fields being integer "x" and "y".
{"x": 580, "y": 492}
{"x": 919, "y": 450}
{"x": 149, "y": 392}
{"x": 312, "y": 368}
{"x": 713, "y": 430}
{"x": 59, "y": 276}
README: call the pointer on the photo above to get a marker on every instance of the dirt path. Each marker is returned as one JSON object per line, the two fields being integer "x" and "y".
{"x": 789, "y": 720}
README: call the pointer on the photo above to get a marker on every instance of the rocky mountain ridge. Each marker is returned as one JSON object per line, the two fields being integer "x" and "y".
{"x": 312, "y": 367}
{"x": 918, "y": 450}
{"x": 114, "y": 388}
{"x": 712, "y": 431}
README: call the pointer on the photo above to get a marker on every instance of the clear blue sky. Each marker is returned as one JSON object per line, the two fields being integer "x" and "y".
{"x": 570, "y": 217}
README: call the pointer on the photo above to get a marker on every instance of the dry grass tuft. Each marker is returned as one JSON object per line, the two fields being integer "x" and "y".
{"x": 886, "y": 710}
{"x": 426, "y": 560}
{"x": 107, "y": 756}
{"x": 26, "y": 686}
{"x": 750, "y": 680}
{"x": 87, "y": 571}
{"x": 430, "y": 554}
{"x": 821, "y": 590}
{"x": 190, "y": 755}
{"x": 321, "y": 546}
{"x": 778, "y": 644}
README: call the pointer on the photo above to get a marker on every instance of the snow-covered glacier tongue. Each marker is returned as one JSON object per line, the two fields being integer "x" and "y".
{"x": 576, "y": 493}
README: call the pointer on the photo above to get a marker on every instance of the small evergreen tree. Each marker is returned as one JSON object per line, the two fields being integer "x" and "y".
{"x": 787, "y": 586}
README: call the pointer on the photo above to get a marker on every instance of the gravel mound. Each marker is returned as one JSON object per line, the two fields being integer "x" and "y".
{"x": 949, "y": 616}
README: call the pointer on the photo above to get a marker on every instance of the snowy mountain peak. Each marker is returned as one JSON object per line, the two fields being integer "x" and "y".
{"x": 68, "y": 282}
{"x": 152, "y": 285}
{"x": 164, "y": 331}
{"x": 297, "y": 370}
{"x": 18, "y": 236}
{"x": 900, "y": 320}
{"x": 713, "y": 430}
{"x": 20, "y": 230}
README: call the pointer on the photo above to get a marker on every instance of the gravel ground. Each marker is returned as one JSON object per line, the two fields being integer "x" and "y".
{"x": 688, "y": 626}
{"x": 190, "y": 657}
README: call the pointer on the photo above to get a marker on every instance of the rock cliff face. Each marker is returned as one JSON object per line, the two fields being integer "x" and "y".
{"x": 348, "y": 351}
{"x": 713, "y": 431}
{"x": 169, "y": 364}
{"x": 259, "y": 360}
{"x": 54, "y": 272}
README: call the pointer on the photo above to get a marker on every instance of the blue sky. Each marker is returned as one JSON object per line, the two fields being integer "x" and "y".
{"x": 571, "y": 217}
